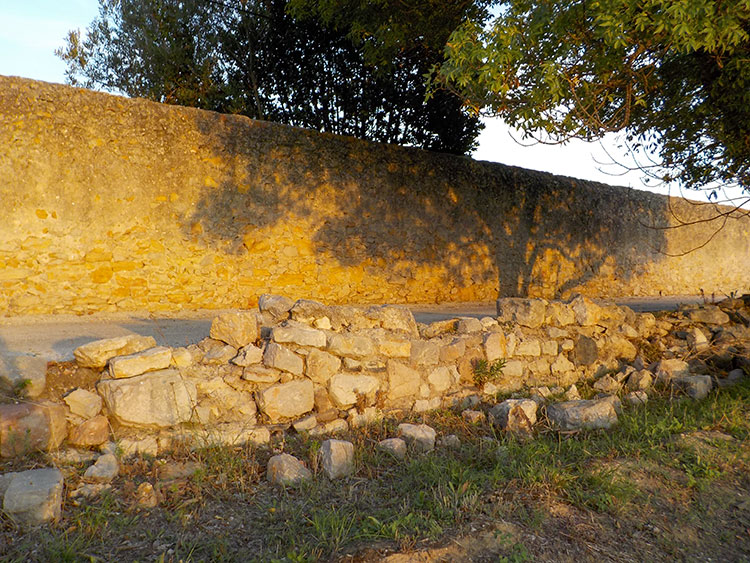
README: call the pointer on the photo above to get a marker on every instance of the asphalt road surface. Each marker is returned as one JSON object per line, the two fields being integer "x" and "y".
{"x": 56, "y": 336}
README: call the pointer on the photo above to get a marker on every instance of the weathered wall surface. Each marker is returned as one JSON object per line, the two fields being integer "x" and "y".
{"x": 117, "y": 204}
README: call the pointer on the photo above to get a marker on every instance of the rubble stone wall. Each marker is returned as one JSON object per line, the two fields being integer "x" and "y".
{"x": 111, "y": 204}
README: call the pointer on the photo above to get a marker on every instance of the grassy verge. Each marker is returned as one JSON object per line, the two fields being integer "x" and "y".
{"x": 647, "y": 492}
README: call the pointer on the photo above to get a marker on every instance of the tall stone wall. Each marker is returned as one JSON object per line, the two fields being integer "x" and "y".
{"x": 111, "y": 203}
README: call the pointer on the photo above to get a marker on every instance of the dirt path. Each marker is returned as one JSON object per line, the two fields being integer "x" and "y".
{"x": 56, "y": 336}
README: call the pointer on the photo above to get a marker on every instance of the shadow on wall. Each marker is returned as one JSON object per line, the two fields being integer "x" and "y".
{"x": 532, "y": 232}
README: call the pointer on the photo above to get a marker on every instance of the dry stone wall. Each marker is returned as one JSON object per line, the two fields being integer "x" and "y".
{"x": 309, "y": 368}
{"x": 111, "y": 204}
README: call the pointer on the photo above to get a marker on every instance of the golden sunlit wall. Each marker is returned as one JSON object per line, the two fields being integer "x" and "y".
{"x": 112, "y": 204}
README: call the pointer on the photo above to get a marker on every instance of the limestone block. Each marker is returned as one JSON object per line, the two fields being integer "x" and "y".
{"x": 260, "y": 374}
{"x": 139, "y": 363}
{"x": 560, "y": 314}
{"x": 92, "y": 432}
{"x": 219, "y": 355}
{"x": 182, "y": 357}
{"x": 147, "y": 445}
{"x": 306, "y": 311}
{"x": 621, "y": 348}
{"x": 284, "y": 469}
{"x": 709, "y": 314}
{"x": 424, "y": 353}
{"x": 666, "y": 370}
{"x": 391, "y": 348}
{"x": 525, "y": 312}
{"x": 34, "y": 497}
{"x": 337, "y": 458}
{"x": 419, "y": 436}
{"x": 495, "y": 346}
{"x": 469, "y": 325}
{"x": 587, "y": 313}
{"x": 333, "y": 427}
{"x": 237, "y": 329}
{"x": 277, "y": 357}
{"x": 585, "y": 351}
{"x": 287, "y": 400}
{"x": 584, "y": 414}
{"x": 636, "y": 398}
{"x": 321, "y": 366}
{"x": 323, "y": 323}
{"x": 104, "y": 470}
{"x": 394, "y": 446}
{"x": 424, "y": 405}
{"x": 345, "y": 388}
{"x": 233, "y": 434}
{"x": 26, "y": 375}
{"x": 549, "y": 348}
{"x": 96, "y": 354}
{"x": 27, "y": 427}
{"x": 529, "y": 347}
{"x": 83, "y": 403}
{"x": 275, "y": 305}
{"x": 157, "y": 399}
{"x": 247, "y": 356}
{"x": 694, "y": 386}
{"x": 562, "y": 366}
{"x": 513, "y": 369}
{"x": 440, "y": 379}
{"x": 350, "y": 345}
{"x": 403, "y": 381}
{"x": 398, "y": 319}
{"x": 367, "y": 416}
{"x": 438, "y": 328}
{"x": 301, "y": 335}
{"x": 450, "y": 353}
{"x": 305, "y": 424}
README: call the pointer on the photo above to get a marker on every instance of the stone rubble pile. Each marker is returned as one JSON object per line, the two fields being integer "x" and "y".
{"x": 308, "y": 367}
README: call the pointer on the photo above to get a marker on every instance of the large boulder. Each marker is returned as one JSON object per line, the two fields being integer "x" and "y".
{"x": 96, "y": 354}
{"x": 158, "y": 399}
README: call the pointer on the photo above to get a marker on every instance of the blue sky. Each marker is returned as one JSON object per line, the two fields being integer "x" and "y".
{"x": 31, "y": 30}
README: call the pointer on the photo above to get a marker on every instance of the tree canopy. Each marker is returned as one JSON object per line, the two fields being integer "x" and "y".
{"x": 258, "y": 59}
{"x": 674, "y": 75}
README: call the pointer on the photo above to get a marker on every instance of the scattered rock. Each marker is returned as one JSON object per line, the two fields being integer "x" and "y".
{"x": 305, "y": 424}
{"x": 709, "y": 314}
{"x": 238, "y": 329}
{"x": 469, "y": 325}
{"x": 516, "y": 416}
{"x": 587, "y": 313}
{"x": 636, "y": 398}
{"x": 276, "y": 306}
{"x": 394, "y": 446}
{"x": 284, "y": 469}
{"x": 96, "y": 354}
{"x": 178, "y": 470}
{"x": 585, "y": 352}
{"x": 640, "y": 380}
{"x": 421, "y": 437}
{"x": 104, "y": 470}
{"x": 696, "y": 340}
{"x": 694, "y": 386}
{"x": 473, "y": 417}
{"x": 219, "y": 355}
{"x": 337, "y": 458}
{"x": 145, "y": 496}
{"x": 584, "y": 414}
{"x": 34, "y": 497}
{"x": 450, "y": 441}
{"x": 607, "y": 384}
